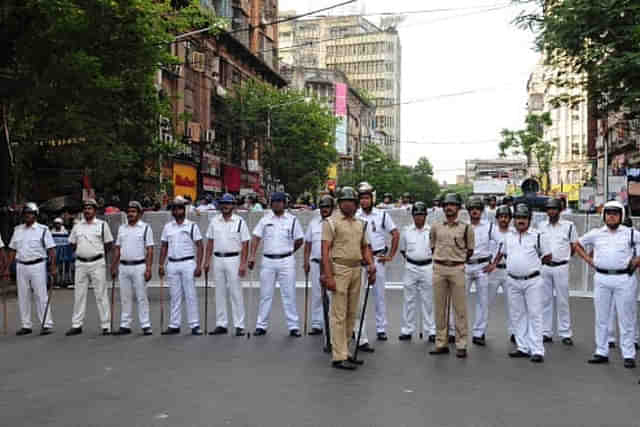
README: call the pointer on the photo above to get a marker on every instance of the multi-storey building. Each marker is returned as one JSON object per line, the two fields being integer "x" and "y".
{"x": 369, "y": 55}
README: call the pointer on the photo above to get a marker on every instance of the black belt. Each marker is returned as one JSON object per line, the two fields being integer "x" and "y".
{"x": 612, "y": 271}
{"x": 449, "y": 263}
{"x": 317, "y": 261}
{"x": 502, "y": 266}
{"x": 557, "y": 263}
{"x": 226, "y": 254}
{"x": 93, "y": 258}
{"x": 32, "y": 262}
{"x": 138, "y": 262}
{"x": 380, "y": 252}
{"x": 530, "y": 276}
{"x": 187, "y": 258}
{"x": 419, "y": 263}
{"x": 479, "y": 260}
{"x": 278, "y": 256}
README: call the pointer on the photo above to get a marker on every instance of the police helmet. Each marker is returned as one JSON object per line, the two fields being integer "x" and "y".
{"x": 613, "y": 206}
{"x": 347, "y": 193}
{"x": 179, "y": 202}
{"x": 419, "y": 208}
{"x": 553, "y": 204}
{"x": 326, "y": 201}
{"x": 507, "y": 199}
{"x": 475, "y": 202}
{"x": 135, "y": 205}
{"x": 90, "y": 202}
{"x": 365, "y": 188}
{"x": 30, "y": 207}
{"x": 227, "y": 199}
{"x": 522, "y": 210}
{"x": 278, "y": 196}
{"x": 503, "y": 210}
{"x": 452, "y": 199}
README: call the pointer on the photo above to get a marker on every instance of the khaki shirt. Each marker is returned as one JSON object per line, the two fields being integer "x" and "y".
{"x": 449, "y": 243}
{"x": 346, "y": 237}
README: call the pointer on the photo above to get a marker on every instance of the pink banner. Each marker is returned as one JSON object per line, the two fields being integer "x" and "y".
{"x": 341, "y": 100}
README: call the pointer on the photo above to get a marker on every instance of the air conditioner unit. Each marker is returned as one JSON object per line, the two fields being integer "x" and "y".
{"x": 167, "y": 137}
{"x": 197, "y": 61}
{"x": 215, "y": 66}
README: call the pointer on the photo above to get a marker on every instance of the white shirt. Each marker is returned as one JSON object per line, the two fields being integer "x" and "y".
{"x": 612, "y": 249}
{"x": 228, "y": 236}
{"x": 379, "y": 223}
{"x": 133, "y": 241}
{"x": 415, "y": 243}
{"x": 523, "y": 252}
{"x": 314, "y": 236}
{"x": 498, "y": 241}
{"x": 1, "y": 243}
{"x": 278, "y": 232}
{"x": 89, "y": 237}
{"x": 179, "y": 238}
{"x": 484, "y": 236}
{"x": 560, "y": 237}
{"x": 31, "y": 243}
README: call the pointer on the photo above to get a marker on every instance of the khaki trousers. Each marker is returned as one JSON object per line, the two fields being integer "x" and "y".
{"x": 449, "y": 286}
{"x": 344, "y": 308}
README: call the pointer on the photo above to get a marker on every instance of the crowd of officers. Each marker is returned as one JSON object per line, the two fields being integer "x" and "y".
{"x": 346, "y": 250}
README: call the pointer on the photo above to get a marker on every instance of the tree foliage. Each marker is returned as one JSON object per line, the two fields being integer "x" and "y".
{"x": 597, "y": 40}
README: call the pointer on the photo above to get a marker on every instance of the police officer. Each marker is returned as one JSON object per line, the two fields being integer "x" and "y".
{"x": 491, "y": 202}
{"x": 508, "y": 201}
{"x": 131, "y": 263}
{"x": 345, "y": 246}
{"x": 406, "y": 201}
{"x": 379, "y": 223}
{"x": 4, "y": 269}
{"x": 91, "y": 239}
{"x": 526, "y": 250}
{"x": 418, "y": 286}
{"x": 312, "y": 261}
{"x": 283, "y": 236}
{"x": 561, "y": 235}
{"x": 61, "y": 238}
{"x": 387, "y": 202}
{"x": 228, "y": 242}
{"x": 613, "y": 246}
{"x": 31, "y": 245}
{"x": 182, "y": 243}
{"x": 452, "y": 243}
{"x": 478, "y": 267}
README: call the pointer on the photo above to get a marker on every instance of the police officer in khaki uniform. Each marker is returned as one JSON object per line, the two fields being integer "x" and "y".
{"x": 344, "y": 246}
{"x": 452, "y": 244}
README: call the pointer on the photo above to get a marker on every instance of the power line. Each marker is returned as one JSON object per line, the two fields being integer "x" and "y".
{"x": 418, "y": 12}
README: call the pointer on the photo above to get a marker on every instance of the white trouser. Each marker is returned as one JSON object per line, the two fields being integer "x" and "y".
{"x": 525, "y": 302}
{"x": 556, "y": 279}
{"x": 474, "y": 274}
{"x": 33, "y": 277}
{"x": 377, "y": 293}
{"x": 418, "y": 281}
{"x": 93, "y": 272}
{"x": 613, "y": 320}
{"x": 131, "y": 279}
{"x": 225, "y": 274}
{"x": 498, "y": 278}
{"x": 181, "y": 280}
{"x": 619, "y": 290}
{"x": 283, "y": 271}
{"x": 317, "y": 316}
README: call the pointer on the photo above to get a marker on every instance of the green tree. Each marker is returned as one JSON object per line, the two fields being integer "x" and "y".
{"x": 598, "y": 40}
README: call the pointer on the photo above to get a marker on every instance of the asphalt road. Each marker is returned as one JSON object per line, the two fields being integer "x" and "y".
{"x": 90, "y": 380}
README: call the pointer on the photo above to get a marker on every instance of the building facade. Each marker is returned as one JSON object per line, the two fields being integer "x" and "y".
{"x": 482, "y": 169}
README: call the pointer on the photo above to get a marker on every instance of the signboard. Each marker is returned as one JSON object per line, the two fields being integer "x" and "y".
{"x": 185, "y": 180}
{"x": 211, "y": 184}
{"x": 341, "y": 113}
{"x": 587, "y": 200}
{"x": 490, "y": 186}
{"x": 572, "y": 191}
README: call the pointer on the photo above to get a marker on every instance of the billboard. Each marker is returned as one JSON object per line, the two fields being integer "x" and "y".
{"x": 185, "y": 180}
{"x": 490, "y": 186}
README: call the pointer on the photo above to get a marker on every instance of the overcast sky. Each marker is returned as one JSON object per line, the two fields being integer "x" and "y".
{"x": 447, "y": 53}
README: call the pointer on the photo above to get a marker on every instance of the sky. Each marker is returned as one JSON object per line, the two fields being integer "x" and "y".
{"x": 477, "y": 53}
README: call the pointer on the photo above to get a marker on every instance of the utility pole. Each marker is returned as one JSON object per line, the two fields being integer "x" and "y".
{"x": 605, "y": 178}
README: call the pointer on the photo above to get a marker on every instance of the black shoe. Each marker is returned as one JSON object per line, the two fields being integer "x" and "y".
{"x": 629, "y": 363}
{"x": 452, "y": 339}
{"x": 239, "y": 332}
{"x": 432, "y": 338}
{"x": 567, "y": 341}
{"x": 315, "y": 331}
{"x": 355, "y": 361}
{"x": 512, "y": 338}
{"x": 478, "y": 340}
{"x": 635, "y": 345}
{"x": 147, "y": 331}
{"x": 441, "y": 350}
{"x": 612, "y": 345}
{"x": 342, "y": 364}
{"x": 171, "y": 331}
{"x": 196, "y": 331}
{"x": 295, "y": 333}
{"x": 597, "y": 359}
{"x": 546, "y": 338}
{"x": 74, "y": 331}
{"x": 517, "y": 354}
{"x": 46, "y": 331}
{"x": 382, "y": 336}
{"x": 461, "y": 353}
{"x": 405, "y": 337}
{"x": 366, "y": 348}
{"x": 219, "y": 330}
{"x": 122, "y": 331}
{"x": 537, "y": 358}
{"x": 106, "y": 332}
{"x": 259, "y": 332}
{"x": 24, "y": 331}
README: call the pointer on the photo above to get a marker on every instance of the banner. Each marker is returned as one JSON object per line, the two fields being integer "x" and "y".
{"x": 185, "y": 180}
{"x": 341, "y": 113}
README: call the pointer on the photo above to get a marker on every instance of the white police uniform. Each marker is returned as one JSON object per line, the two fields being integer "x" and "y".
{"x": 526, "y": 297}
{"x": 31, "y": 245}
{"x": 555, "y": 276}
{"x": 278, "y": 234}
{"x": 498, "y": 277}
{"x": 313, "y": 236}
{"x": 379, "y": 224}
{"x": 181, "y": 239}
{"x": 90, "y": 239}
{"x": 228, "y": 238}
{"x": 418, "y": 279}
{"x": 613, "y": 285}
{"x": 133, "y": 242}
